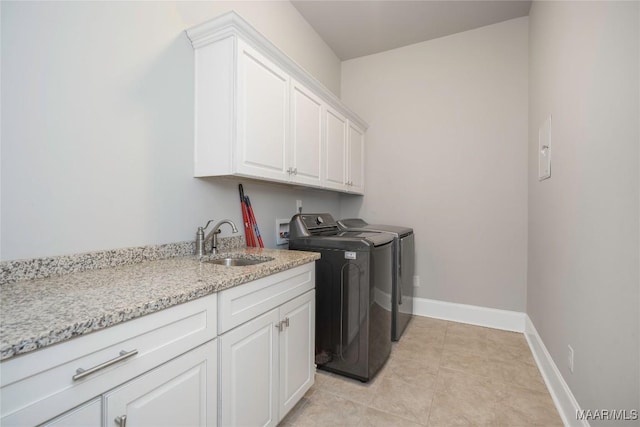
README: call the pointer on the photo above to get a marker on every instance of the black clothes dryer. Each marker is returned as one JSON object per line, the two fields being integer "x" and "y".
{"x": 403, "y": 269}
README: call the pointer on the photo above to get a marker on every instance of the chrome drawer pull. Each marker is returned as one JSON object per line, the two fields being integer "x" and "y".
{"x": 81, "y": 373}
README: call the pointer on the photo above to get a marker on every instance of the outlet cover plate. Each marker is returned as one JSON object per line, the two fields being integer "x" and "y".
{"x": 282, "y": 231}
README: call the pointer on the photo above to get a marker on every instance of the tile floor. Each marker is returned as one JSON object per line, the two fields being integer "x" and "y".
{"x": 439, "y": 374}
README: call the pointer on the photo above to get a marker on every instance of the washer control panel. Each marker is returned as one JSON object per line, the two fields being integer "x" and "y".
{"x": 310, "y": 224}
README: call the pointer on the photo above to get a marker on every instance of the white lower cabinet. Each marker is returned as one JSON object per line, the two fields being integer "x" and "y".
{"x": 159, "y": 369}
{"x": 297, "y": 350}
{"x": 266, "y": 364}
{"x": 267, "y": 347}
{"x": 248, "y": 369}
{"x": 181, "y": 392}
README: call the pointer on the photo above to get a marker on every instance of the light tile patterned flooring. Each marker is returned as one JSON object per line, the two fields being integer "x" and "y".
{"x": 439, "y": 374}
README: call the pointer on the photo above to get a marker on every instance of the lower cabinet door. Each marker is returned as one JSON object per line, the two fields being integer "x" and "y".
{"x": 181, "y": 392}
{"x": 297, "y": 350}
{"x": 248, "y": 373}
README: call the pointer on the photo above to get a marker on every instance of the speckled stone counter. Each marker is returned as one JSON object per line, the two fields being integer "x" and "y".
{"x": 40, "y": 312}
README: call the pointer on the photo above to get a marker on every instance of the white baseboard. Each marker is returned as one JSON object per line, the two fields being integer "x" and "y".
{"x": 471, "y": 314}
{"x": 564, "y": 400}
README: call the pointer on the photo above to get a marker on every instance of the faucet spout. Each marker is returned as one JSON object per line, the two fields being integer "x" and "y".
{"x": 213, "y": 234}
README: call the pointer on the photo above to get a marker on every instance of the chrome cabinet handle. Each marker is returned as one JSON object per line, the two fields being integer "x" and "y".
{"x": 282, "y": 324}
{"x": 399, "y": 276}
{"x": 121, "y": 420}
{"x": 81, "y": 373}
{"x": 340, "y": 345}
{"x": 295, "y": 171}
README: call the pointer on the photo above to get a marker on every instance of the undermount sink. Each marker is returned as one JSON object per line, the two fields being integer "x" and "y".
{"x": 239, "y": 261}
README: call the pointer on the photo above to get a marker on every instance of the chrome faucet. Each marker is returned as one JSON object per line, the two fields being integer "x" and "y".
{"x": 201, "y": 240}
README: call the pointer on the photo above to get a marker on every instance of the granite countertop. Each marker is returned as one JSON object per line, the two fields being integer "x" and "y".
{"x": 40, "y": 312}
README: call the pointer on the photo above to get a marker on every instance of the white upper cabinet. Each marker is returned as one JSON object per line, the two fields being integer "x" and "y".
{"x": 335, "y": 151}
{"x": 344, "y": 154}
{"x": 355, "y": 162}
{"x": 259, "y": 115}
{"x": 262, "y": 109}
{"x": 306, "y": 135}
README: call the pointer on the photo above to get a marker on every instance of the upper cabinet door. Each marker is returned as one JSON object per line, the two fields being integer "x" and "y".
{"x": 355, "y": 179}
{"x": 262, "y": 116}
{"x": 306, "y": 136}
{"x": 335, "y": 150}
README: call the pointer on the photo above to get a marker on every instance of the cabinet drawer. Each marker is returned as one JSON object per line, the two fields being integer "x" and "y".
{"x": 242, "y": 303}
{"x": 38, "y": 386}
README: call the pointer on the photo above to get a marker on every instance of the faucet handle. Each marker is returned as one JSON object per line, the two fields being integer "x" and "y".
{"x": 200, "y": 239}
{"x": 208, "y": 222}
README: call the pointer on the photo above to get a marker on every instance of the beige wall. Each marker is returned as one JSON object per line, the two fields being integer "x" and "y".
{"x": 583, "y": 281}
{"x": 97, "y": 124}
{"x": 447, "y": 155}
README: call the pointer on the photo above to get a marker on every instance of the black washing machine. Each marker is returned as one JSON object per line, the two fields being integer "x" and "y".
{"x": 353, "y": 294}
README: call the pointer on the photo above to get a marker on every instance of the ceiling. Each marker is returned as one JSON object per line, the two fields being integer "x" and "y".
{"x": 358, "y": 28}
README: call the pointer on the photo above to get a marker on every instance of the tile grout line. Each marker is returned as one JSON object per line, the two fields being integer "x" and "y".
{"x": 435, "y": 392}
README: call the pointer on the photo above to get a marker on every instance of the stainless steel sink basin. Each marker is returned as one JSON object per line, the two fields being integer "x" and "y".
{"x": 238, "y": 261}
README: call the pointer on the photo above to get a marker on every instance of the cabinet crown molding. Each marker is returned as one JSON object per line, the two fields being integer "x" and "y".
{"x": 231, "y": 24}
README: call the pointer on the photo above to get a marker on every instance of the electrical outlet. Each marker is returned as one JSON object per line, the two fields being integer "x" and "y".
{"x": 416, "y": 281}
{"x": 570, "y": 358}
